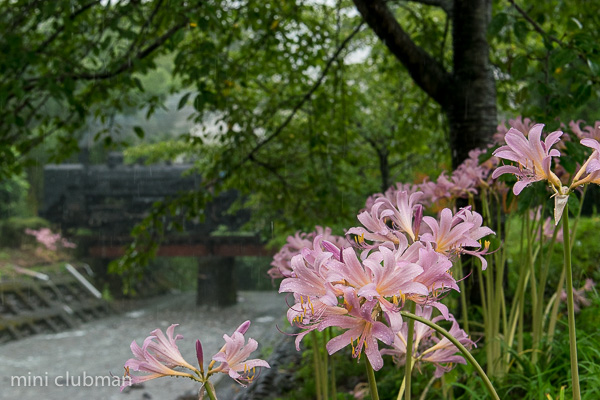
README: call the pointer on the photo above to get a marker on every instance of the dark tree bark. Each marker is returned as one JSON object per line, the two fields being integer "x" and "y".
{"x": 472, "y": 111}
{"x": 467, "y": 94}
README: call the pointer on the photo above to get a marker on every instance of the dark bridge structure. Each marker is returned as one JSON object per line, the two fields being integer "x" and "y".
{"x": 108, "y": 200}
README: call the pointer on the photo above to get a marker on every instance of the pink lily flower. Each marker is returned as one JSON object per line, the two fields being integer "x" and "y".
{"x": 361, "y": 327}
{"x": 443, "y": 353}
{"x": 455, "y": 234}
{"x": 427, "y": 347}
{"x": 281, "y": 263}
{"x": 436, "y": 276}
{"x": 390, "y": 193}
{"x": 165, "y": 349}
{"x": 520, "y": 124}
{"x": 579, "y": 299}
{"x": 307, "y": 314}
{"x": 588, "y": 132}
{"x": 533, "y": 156}
{"x": 447, "y": 234}
{"x": 591, "y": 166}
{"x": 282, "y": 260}
{"x": 471, "y": 243}
{"x": 434, "y": 191}
{"x": 153, "y": 356}
{"x": 375, "y": 229}
{"x": 547, "y": 226}
{"x": 421, "y": 332}
{"x": 408, "y": 253}
{"x": 469, "y": 175}
{"x": 311, "y": 282}
{"x": 378, "y": 277}
{"x": 402, "y": 210}
{"x": 234, "y": 358}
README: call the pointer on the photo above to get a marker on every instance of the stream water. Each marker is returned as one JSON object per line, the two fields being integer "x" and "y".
{"x": 78, "y": 364}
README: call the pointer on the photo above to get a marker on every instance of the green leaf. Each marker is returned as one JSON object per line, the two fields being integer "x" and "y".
{"x": 574, "y": 204}
{"x": 183, "y": 100}
{"x": 521, "y": 30}
{"x": 138, "y": 84}
{"x": 583, "y": 94}
{"x": 139, "y": 131}
{"x": 199, "y": 102}
{"x": 498, "y": 22}
{"x": 562, "y": 57}
{"x": 519, "y": 67}
{"x": 593, "y": 67}
{"x": 568, "y": 163}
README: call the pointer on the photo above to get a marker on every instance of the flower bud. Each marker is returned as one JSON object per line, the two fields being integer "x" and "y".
{"x": 200, "y": 355}
{"x": 418, "y": 220}
{"x": 243, "y": 328}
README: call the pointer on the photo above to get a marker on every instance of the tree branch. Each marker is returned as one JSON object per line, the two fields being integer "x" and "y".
{"x": 446, "y": 5}
{"x": 273, "y": 171}
{"x": 145, "y": 26}
{"x": 429, "y": 74}
{"x": 126, "y": 65}
{"x": 535, "y": 25}
{"x": 304, "y": 99}
{"x": 58, "y": 31}
{"x": 407, "y": 160}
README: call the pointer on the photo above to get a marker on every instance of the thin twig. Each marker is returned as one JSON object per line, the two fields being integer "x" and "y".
{"x": 304, "y": 99}
{"x": 535, "y": 25}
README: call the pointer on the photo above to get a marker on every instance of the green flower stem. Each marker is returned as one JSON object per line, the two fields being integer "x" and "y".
{"x": 317, "y": 366}
{"x": 409, "y": 351}
{"x": 491, "y": 321}
{"x": 578, "y": 218}
{"x": 486, "y": 320}
{"x": 516, "y": 312}
{"x": 332, "y": 378}
{"x": 401, "y": 391}
{"x": 555, "y": 306}
{"x": 463, "y": 297}
{"x": 570, "y": 306}
{"x": 531, "y": 261}
{"x": 424, "y": 394}
{"x": 210, "y": 390}
{"x": 538, "y": 316}
{"x": 554, "y": 313}
{"x": 371, "y": 378}
{"x": 403, "y": 385}
{"x": 324, "y": 356}
{"x": 499, "y": 310}
{"x": 516, "y": 309}
{"x": 463, "y": 350}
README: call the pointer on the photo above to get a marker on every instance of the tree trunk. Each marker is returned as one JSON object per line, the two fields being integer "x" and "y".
{"x": 472, "y": 110}
{"x": 467, "y": 94}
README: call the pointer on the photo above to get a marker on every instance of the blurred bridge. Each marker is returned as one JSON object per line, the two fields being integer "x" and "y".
{"x": 107, "y": 200}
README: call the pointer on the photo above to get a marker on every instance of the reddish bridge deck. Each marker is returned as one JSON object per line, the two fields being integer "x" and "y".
{"x": 221, "y": 246}
{"x": 215, "y": 254}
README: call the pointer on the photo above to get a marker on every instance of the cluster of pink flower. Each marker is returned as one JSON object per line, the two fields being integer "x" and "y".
{"x": 579, "y": 295}
{"x": 159, "y": 355}
{"x": 50, "y": 240}
{"x": 547, "y": 228}
{"x": 522, "y": 144}
{"x": 534, "y": 159}
{"x": 281, "y": 266}
{"x": 427, "y": 347}
{"x": 398, "y": 255}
